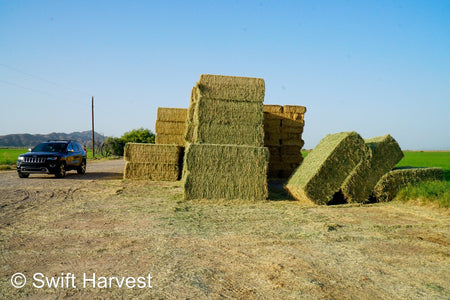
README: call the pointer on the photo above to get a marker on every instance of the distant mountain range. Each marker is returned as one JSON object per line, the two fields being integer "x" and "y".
{"x": 26, "y": 140}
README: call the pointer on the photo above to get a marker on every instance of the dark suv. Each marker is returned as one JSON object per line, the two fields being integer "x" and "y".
{"x": 52, "y": 157}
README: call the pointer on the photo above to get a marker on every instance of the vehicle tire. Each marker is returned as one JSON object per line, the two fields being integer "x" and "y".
{"x": 82, "y": 168}
{"x": 61, "y": 173}
{"x": 23, "y": 175}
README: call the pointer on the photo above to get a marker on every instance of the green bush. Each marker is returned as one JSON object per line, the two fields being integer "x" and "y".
{"x": 115, "y": 146}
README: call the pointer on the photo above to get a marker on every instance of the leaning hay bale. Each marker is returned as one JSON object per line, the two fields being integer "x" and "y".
{"x": 388, "y": 186}
{"x": 146, "y": 153}
{"x": 166, "y": 127}
{"x": 170, "y": 139}
{"x": 171, "y": 114}
{"x": 384, "y": 153}
{"x": 225, "y": 172}
{"x": 273, "y": 108}
{"x": 296, "y": 109}
{"x": 231, "y": 88}
{"x": 152, "y": 171}
{"x": 326, "y": 167}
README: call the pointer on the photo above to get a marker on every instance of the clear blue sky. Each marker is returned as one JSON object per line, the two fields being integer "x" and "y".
{"x": 374, "y": 67}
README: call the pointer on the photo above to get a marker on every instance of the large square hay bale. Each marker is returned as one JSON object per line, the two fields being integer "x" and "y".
{"x": 388, "y": 186}
{"x": 170, "y": 139}
{"x": 231, "y": 88}
{"x": 169, "y": 127}
{"x": 225, "y": 172}
{"x": 323, "y": 171}
{"x": 145, "y": 153}
{"x": 171, "y": 114}
{"x": 152, "y": 171}
{"x": 384, "y": 153}
{"x": 153, "y": 162}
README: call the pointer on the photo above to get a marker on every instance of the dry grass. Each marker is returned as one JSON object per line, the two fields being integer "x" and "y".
{"x": 204, "y": 250}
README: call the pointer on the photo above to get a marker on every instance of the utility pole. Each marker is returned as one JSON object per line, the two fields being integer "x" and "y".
{"x": 93, "y": 140}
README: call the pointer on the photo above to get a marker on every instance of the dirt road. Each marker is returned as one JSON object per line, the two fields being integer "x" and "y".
{"x": 101, "y": 224}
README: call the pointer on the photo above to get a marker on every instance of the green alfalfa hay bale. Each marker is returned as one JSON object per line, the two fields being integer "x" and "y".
{"x": 226, "y": 112}
{"x": 231, "y": 88}
{"x": 167, "y": 127}
{"x": 225, "y": 172}
{"x": 171, "y": 114}
{"x": 145, "y": 153}
{"x": 392, "y": 182}
{"x": 384, "y": 153}
{"x": 152, "y": 171}
{"x": 170, "y": 139}
{"x": 233, "y": 134}
{"x": 323, "y": 171}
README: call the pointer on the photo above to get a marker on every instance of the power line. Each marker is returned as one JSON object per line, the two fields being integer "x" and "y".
{"x": 41, "y": 79}
{"x": 26, "y": 88}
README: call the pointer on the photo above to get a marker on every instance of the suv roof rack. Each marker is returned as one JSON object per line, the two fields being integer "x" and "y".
{"x": 59, "y": 140}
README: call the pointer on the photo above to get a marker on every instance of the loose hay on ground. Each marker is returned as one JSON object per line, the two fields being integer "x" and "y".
{"x": 388, "y": 186}
{"x": 326, "y": 167}
{"x": 225, "y": 172}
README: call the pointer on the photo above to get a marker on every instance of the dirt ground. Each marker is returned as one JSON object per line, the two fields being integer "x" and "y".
{"x": 70, "y": 229}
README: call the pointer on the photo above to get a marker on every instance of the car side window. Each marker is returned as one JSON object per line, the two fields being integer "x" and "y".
{"x": 70, "y": 147}
{"x": 77, "y": 147}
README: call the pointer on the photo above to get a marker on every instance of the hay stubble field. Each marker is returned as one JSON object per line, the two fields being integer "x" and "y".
{"x": 99, "y": 223}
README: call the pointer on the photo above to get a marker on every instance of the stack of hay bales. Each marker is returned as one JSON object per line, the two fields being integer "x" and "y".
{"x": 170, "y": 126}
{"x": 226, "y": 110}
{"x": 225, "y": 157}
{"x": 153, "y": 162}
{"x": 388, "y": 186}
{"x": 283, "y": 128}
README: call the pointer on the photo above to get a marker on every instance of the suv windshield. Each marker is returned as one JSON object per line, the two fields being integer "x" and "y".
{"x": 50, "y": 147}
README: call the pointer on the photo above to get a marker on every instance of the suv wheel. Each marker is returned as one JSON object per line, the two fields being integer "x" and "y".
{"x": 82, "y": 168}
{"x": 23, "y": 175}
{"x": 61, "y": 173}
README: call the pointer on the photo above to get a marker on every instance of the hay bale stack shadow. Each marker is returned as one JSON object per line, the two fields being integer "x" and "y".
{"x": 283, "y": 128}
